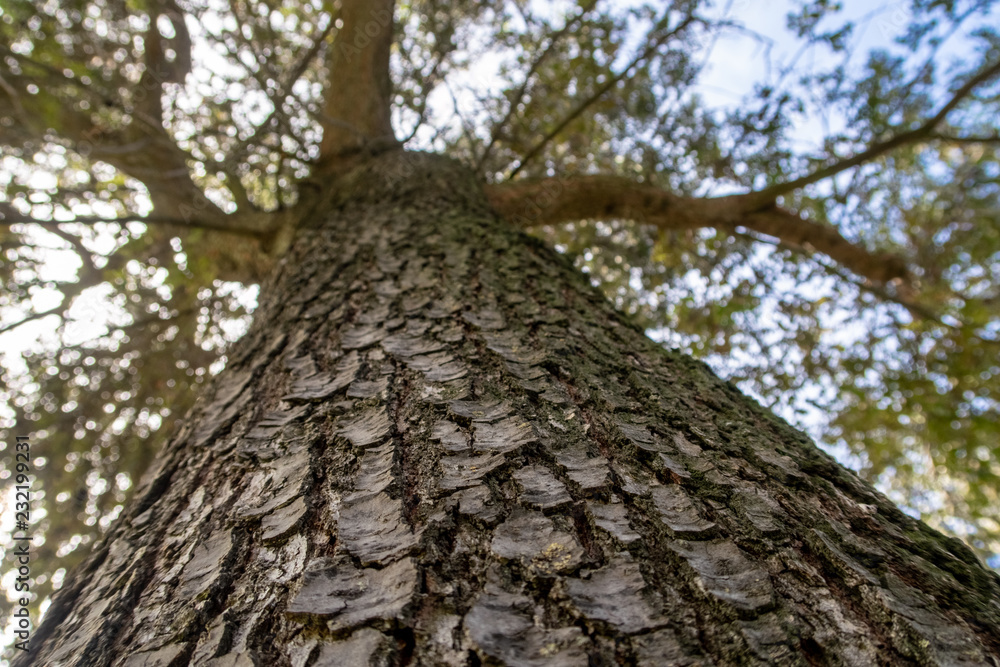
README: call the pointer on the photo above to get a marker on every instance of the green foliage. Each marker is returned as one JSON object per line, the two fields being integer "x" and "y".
{"x": 122, "y": 320}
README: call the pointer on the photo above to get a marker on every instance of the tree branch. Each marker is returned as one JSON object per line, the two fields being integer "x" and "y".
{"x": 235, "y": 224}
{"x": 519, "y": 94}
{"x": 56, "y": 310}
{"x": 69, "y": 291}
{"x": 551, "y": 201}
{"x": 598, "y": 94}
{"x": 466, "y": 125}
{"x": 924, "y": 131}
{"x": 915, "y": 309}
{"x": 993, "y": 139}
{"x": 793, "y": 229}
{"x": 76, "y": 243}
{"x": 358, "y": 93}
{"x": 143, "y": 148}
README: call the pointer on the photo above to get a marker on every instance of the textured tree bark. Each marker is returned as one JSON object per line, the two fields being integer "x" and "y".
{"x": 438, "y": 445}
{"x": 357, "y": 108}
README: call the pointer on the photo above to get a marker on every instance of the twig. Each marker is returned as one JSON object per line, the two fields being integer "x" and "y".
{"x": 519, "y": 95}
{"x": 150, "y": 220}
{"x": 598, "y": 94}
{"x": 768, "y": 195}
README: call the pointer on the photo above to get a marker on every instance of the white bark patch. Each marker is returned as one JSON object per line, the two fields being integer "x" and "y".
{"x": 504, "y": 436}
{"x": 501, "y": 625}
{"x": 353, "y": 596}
{"x": 541, "y": 488}
{"x": 614, "y": 594}
{"x": 534, "y": 539}
{"x": 204, "y": 568}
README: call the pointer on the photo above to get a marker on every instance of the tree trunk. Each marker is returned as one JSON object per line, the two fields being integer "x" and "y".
{"x": 439, "y": 445}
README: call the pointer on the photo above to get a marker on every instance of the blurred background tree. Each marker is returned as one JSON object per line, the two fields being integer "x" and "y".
{"x": 150, "y": 147}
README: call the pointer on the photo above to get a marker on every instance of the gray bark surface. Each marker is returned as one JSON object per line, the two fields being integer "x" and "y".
{"x": 438, "y": 445}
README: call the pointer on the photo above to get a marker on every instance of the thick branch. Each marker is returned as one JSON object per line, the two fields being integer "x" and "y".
{"x": 794, "y": 230}
{"x": 924, "y": 131}
{"x": 142, "y": 148}
{"x": 357, "y": 104}
{"x": 241, "y": 246}
{"x": 533, "y": 203}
